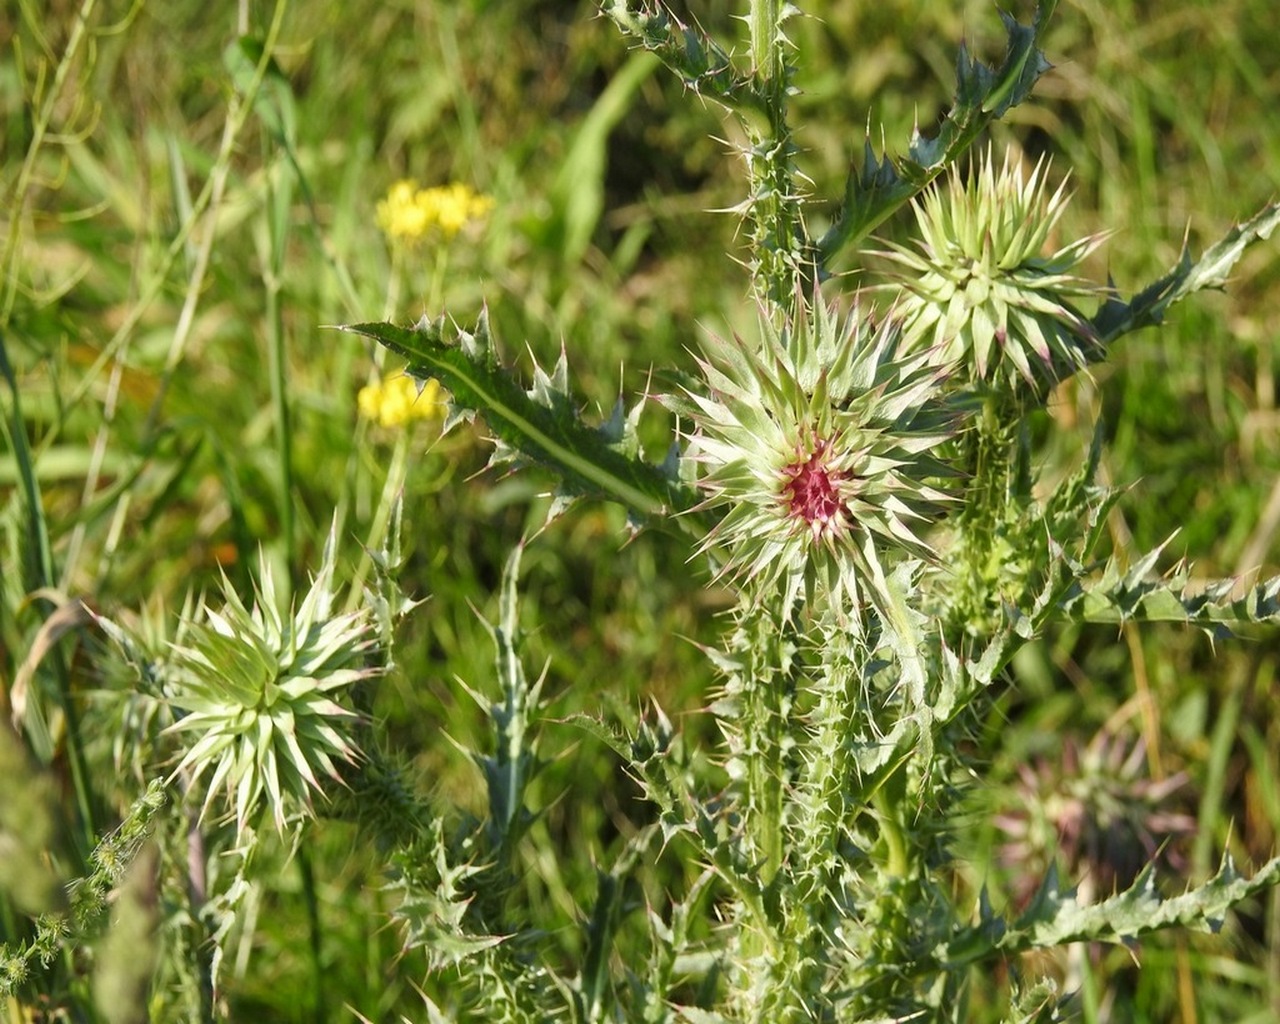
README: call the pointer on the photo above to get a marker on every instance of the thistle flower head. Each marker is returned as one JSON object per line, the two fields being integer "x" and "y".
{"x": 259, "y": 694}
{"x": 979, "y": 293}
{"x": 1098, "y": 810}
{"x": 816, "y": 447}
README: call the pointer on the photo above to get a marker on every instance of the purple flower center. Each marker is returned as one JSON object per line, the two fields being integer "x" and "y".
{"x": 811, "y": 490}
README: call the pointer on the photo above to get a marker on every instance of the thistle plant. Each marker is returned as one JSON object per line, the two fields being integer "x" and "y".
{"x": 860, "y": 482}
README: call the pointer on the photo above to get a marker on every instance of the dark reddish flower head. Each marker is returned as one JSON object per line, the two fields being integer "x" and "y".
{"x": 811, "y": 492}
{"x": 815, "y": 441}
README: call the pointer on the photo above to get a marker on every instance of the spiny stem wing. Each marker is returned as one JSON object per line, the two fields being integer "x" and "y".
{"x": 702, "y": 64}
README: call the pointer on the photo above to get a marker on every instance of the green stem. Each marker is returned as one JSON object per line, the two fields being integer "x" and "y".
{"x": 766, "y": 54}
{"x": 767, "y": 686}
{"x": 279, "y": 202}
{"x": 435, "y": 295}
{"x": 314, "y": 934}
{"x": 392, "y": 299}
{"x": 898, "y": 859}
{"x": 764, "y": 779}
{"x": 989, "y": 463}
{"x": 989, "y": 459}
{"x": 391, "y": 488}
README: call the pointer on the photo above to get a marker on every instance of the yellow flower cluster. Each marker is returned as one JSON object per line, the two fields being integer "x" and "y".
{"x": 396, "y": 401}
{"x": 408, "y": 213}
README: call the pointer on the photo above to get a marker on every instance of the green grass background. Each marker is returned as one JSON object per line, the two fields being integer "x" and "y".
{"x": 158, "y": 468}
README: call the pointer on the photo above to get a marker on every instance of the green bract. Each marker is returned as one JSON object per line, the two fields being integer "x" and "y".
{"x": 978, "y": 294}
{"x": 815, "y": 445}
{"x": 257, "y": 691}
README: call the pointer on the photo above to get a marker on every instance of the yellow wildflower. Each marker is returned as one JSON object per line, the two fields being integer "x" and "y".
{"x": 399, "y": 215}
{"x": 396, "y": 401}
{"x": 454, "y": 205}
{"x": 408, "y": 213}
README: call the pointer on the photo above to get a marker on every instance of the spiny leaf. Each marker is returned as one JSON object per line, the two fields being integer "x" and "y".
{"x": 514, "y": 762}
{"x": 1218, "y": 606}
{"x": 644, "y": 746}
{"x": 877, "y": 759}
{"x": 539, "y": 425}
{"x": 1056, "y": 918}
{"x": 701, "y": 63}
{"x": 962, "y": 679}
{"x": 436, "y": 899}
{"x": 1147, "y": 308}
{"x": 982, "y": 95}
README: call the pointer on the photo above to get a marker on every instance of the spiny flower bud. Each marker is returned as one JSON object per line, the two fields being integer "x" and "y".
{"x": 978, "y": 293}
{"x": 258, "y": 693}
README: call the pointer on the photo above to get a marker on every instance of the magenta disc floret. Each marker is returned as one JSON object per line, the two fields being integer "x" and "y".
{"x": 811, "y": 490}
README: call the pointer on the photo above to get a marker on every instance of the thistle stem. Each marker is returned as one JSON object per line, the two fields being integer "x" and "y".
{"x": 990, "y": 459}
{"x": 766, "y": 51}
{"x": 765, "y": 777}
{"x": 898, "y": 862}
{"x": 775, "y": 205}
